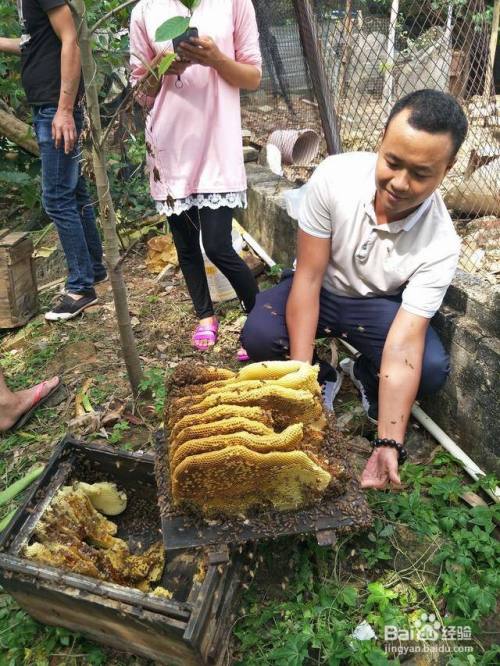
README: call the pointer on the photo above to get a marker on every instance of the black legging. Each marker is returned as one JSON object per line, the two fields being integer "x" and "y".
{"x": 216, "y": 226}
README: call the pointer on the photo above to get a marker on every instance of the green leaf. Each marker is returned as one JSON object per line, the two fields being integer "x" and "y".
{"x": 349, "y": 595}
{"x": 447, "y": 523}
{"x": 165, "y": 63}
{"x": 379, "y": 596}
{"x": 172, "y": 28}
{"x": 15, "y": 177}
{"x": 191, "y": 4}
{"x": 387, "y": 531}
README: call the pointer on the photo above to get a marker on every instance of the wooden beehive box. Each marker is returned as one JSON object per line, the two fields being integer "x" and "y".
{"x": 190, "y": 629}
{"x": 18, "y": 289}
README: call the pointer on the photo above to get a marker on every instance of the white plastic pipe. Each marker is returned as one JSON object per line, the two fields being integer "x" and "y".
{"x": 256, "y": 247}
{"x": 446, "y": 442}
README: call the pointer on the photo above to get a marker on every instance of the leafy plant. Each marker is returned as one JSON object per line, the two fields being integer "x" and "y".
{"x": 275, "y": 271}
{"x": 172, "y": 28}
{"x": 25, "y": 184}
{"x": 25, "y": 641}
{"x": 154, "y": 383}
{"x": 119, "y": 429}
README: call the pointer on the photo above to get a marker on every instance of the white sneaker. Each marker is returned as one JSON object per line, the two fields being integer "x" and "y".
{"x": 330, "y": 388}
{"x": 347, "y": 367}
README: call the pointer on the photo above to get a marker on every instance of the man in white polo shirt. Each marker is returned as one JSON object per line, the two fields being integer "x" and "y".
{"x": 376, "y": 253}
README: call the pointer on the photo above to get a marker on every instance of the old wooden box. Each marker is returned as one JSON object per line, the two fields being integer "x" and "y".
{"x": 191, "y": 628}
{"x": 18, "y": 289}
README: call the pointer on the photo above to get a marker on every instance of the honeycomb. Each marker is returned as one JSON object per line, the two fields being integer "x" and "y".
{"x": 74, "y": 536}
{"x": 233, "y": 424}
{"x": 288, "y": 440}
{"x": 233, "y": 479}
{"x": 220, "y": 413}
{"x": 249, "y": 440}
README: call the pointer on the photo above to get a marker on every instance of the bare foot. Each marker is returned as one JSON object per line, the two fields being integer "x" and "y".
{"x": 14, "y": 405}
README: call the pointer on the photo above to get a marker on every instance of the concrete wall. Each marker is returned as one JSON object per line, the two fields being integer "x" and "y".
{"x": 468, "y": 323}
{"x": 468, "y": 407}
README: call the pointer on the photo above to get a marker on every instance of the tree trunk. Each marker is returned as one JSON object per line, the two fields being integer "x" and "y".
{"x": 489, "y": 88}
{"x": 107, "y": 211}
{"x": 18, "y": 132}
{"x": 311, "y": 47}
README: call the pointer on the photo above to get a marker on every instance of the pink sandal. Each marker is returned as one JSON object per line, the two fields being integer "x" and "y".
{"x": 242, "y": 355}
{"x": 206, "y": 334}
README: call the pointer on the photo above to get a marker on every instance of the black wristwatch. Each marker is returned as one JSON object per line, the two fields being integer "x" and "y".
{"x": 391, "y": 443}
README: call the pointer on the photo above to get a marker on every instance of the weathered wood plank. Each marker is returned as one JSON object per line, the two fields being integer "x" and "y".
{"x": 201, "y": 607}
{"x": 123, "y": 626}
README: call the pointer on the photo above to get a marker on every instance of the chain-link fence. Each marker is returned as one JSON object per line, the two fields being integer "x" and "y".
{"x": 373, "y": 53}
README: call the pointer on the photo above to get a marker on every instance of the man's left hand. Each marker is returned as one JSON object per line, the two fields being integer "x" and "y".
{"x": 201, "y": 51}
{"x": 381, "y": 469}
{"x": 64, "y": 130}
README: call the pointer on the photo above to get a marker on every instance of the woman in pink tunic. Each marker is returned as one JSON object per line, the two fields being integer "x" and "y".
{"x": 193, "y": 138}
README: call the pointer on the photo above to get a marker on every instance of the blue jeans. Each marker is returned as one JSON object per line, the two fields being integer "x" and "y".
{"x": 67, "y": 202}
{"x": 364, "y": 322}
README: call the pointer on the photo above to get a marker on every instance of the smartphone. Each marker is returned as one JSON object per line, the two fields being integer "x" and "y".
{"x": 190, "y": 32}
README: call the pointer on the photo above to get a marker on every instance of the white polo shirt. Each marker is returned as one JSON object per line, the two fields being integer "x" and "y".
{"x": 417, "y": 255}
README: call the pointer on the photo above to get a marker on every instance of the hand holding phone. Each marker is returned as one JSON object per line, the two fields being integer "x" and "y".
{"x": 202, "y": 51}
{"x": 185, "y": 37}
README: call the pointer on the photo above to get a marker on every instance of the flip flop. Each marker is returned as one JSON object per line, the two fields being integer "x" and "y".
{"x": 242, "y": 356}
{"x": 207, "y": 334}
{"x": 38, "y": 401}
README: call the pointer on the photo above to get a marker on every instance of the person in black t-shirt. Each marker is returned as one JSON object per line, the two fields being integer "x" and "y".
{"x": 51, "y": 77}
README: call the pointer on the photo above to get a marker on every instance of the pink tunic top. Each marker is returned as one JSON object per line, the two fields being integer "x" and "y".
{"x": 194, "y": 132}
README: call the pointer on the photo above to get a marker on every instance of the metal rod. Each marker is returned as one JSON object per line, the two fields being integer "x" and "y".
{"x": 256, "y": 247}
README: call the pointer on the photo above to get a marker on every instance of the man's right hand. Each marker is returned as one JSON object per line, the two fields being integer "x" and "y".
{"x": 381, "y": 469}
{"x": 64, "y": 130}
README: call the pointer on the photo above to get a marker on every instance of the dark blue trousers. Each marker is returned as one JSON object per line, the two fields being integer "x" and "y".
{"x": 363, "y": 322}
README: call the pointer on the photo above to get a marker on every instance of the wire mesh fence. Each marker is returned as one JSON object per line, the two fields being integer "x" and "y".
{"x": 373, "y": 53}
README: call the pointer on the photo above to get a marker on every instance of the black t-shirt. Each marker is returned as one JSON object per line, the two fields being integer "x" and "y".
{"x": 40, "y": 52}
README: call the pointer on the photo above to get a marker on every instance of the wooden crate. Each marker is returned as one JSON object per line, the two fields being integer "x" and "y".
{"x": 18, "y": 289}
{"x": 191, "y": 628}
